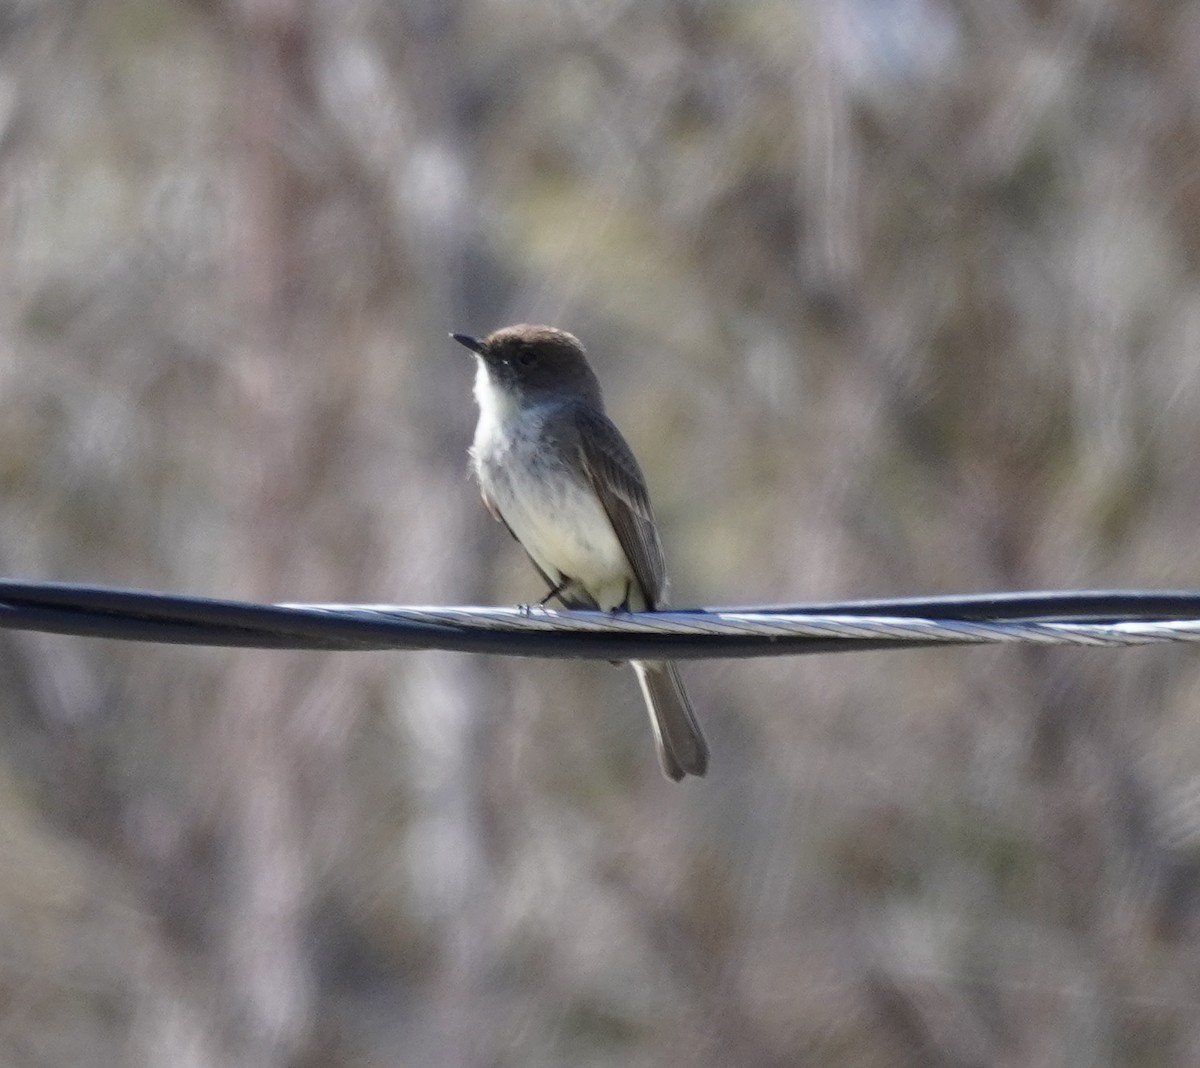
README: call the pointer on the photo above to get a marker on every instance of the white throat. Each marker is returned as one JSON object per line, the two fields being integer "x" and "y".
{"x": 496, "y": 405}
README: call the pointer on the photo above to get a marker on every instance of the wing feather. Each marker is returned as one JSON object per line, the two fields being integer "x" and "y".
{"x": 621, "y": 487}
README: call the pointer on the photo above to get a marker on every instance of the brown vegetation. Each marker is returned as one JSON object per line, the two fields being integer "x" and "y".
{"x": 890, "y": 298}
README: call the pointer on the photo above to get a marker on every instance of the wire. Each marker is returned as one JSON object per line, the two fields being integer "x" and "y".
{"x": 1099, "y": 618}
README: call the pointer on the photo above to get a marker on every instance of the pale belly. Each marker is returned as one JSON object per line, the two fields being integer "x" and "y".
{"x": 556, "y": 517}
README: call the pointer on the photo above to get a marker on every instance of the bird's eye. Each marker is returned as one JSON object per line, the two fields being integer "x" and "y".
{"x": 525, "y": 358}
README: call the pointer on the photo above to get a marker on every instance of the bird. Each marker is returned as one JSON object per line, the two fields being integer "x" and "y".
{"x": 556, "y": 472}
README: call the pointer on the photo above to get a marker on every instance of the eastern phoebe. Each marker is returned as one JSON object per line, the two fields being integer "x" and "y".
{"x": 556, "y": 472}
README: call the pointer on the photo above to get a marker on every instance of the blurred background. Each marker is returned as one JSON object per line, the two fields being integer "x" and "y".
{"x": 890, "y": 296}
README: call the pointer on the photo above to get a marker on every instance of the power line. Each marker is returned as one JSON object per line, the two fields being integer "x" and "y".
{"x": 1087, "y": 618}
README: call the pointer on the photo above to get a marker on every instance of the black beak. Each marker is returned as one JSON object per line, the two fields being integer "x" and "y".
{"x": 473, "y": 343}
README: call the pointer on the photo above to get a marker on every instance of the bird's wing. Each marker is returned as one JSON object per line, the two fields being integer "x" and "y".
{"x": 618, "y": 482}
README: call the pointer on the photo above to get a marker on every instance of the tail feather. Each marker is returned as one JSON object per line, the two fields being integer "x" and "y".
{"x": 681, "y": 746}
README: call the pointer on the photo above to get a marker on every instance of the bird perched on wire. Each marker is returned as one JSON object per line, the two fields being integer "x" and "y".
{"x": 558, "y": 474}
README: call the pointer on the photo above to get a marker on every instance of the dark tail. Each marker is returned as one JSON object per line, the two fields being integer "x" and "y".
{"x": 681, "y": 747}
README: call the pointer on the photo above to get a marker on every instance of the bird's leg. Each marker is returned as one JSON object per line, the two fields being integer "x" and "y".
{"x": 622, "y": 607}
{"x": 554, "y": 592}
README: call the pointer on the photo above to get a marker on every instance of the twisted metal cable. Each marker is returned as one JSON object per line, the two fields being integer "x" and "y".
{"x": 1097, "y": 618}
{"x": 772, "y": 624}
